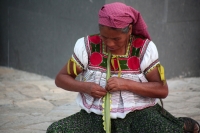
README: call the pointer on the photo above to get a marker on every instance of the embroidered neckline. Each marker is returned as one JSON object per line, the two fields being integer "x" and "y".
{"x": 127, "y": 51}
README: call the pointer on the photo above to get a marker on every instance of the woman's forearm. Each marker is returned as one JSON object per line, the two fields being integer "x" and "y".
{"x": 69, "y": 83}
{"x": 147, "y": 89}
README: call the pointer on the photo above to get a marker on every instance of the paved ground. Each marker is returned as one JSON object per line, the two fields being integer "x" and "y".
{"x": 29, "y": 103}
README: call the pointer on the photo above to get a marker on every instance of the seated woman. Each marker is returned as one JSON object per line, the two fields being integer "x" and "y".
{"x": 136, "y": 84}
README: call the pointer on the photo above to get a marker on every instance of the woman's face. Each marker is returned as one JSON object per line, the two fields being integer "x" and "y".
{"x": 115, "y": 40}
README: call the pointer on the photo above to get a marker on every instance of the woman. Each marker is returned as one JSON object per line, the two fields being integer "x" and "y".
{"x": 136, "y": 83}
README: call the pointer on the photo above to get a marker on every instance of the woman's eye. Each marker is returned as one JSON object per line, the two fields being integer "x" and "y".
{"x": 102, "y": 37}
{"x": 116, "y": 39}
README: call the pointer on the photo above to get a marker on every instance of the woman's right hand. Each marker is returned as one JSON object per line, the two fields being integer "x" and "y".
{"x": 95, "y": 90}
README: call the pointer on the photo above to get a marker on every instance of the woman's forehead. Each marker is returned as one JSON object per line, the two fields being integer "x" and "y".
{"x": 110, "y": 32}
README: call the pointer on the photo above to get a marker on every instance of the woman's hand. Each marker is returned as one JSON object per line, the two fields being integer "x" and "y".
{"x": 95, "y": 90}
{"x": 116, "y": 84}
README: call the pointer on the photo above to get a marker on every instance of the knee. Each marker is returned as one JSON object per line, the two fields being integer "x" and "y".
{"x": 54, "y": 128}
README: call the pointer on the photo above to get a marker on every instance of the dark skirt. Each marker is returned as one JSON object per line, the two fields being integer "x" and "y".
{"x": 150, "y": 120}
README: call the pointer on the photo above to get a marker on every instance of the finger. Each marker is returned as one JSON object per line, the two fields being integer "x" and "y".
{"x": 101, "y": 89}
{"x": 110, "y": 80}
{"x": 100, "y": 93}
{"x": 98, "y": 96}
{"x": 111, "y": 86}
{"x": 113, "y": 89}
{"x": 106, "y": 87}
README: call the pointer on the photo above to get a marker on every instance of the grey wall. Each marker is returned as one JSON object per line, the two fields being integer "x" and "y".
{"x": 38, "y": 36}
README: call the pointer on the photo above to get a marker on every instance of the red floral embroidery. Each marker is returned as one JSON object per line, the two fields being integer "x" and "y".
{"x": 134, "y": 63}
{"x": 95, "y": 39}
{"x": 95, "y": 59}
{"x": 138, "y": 43}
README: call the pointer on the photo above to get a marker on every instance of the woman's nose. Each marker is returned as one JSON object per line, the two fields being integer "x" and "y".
{"x": 109, "y": 43}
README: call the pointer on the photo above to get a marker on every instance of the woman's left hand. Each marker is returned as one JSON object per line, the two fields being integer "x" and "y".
{"x": 116, "y": 84}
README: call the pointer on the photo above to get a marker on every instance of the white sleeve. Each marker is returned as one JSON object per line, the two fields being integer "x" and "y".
{"x": 80, "y": 53}
{"x": 150, "y": 58}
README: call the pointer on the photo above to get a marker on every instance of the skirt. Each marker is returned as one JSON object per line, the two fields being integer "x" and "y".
{"x": 149, "y": 120}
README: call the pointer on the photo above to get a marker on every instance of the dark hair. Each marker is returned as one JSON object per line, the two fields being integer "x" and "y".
{"x": 123, "y": 30}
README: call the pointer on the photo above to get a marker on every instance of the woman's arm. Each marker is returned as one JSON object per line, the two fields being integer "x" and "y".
{"x": 154, "y": 88}
{"x": 67, "y": 81}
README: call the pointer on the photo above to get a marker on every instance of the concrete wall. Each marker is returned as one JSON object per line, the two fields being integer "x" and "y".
{"x": 38, "y": 36}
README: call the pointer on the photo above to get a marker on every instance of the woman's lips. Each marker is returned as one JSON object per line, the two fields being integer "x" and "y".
{"x": 111, "y": 48}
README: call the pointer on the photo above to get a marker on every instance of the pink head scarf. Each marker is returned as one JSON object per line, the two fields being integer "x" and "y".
{"x": 119, "y": 15}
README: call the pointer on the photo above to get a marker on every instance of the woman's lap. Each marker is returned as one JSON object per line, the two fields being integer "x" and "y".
{"x": 153, "y": 120}
{"x": 81, "y": 122}
{"x": 149, "y": 120}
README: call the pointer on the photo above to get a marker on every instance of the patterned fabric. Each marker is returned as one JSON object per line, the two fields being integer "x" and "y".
{"x": 149, "y": 120}
{"x": 119, "y": 15}
{"x": 128, "y": 63}
{"x": 122, "y": 102}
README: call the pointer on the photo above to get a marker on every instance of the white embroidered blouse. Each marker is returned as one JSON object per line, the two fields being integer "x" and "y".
{"x": 122, "y": 102}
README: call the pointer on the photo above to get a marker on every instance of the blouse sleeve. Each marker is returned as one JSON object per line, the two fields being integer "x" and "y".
{"x": 150, "y": 59}
{"x": 80, "y": 54}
